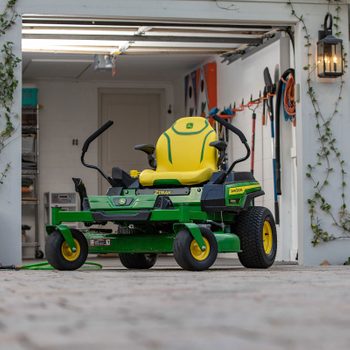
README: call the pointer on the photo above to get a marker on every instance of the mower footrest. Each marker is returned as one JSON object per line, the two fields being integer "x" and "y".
{"x": 101, "y": 216}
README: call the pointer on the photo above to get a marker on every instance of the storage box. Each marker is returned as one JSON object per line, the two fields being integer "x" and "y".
{"x": 29, "y": 97}
{"x": 28, "y": 143}
{"x": 29, "y": 118}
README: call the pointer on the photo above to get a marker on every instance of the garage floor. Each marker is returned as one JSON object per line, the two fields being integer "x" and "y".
{"x": 228, "y": 307}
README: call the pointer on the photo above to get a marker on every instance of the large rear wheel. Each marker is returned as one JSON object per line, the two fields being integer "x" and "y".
{"x": 138, "y": 260}
{"x": 256, "y": 230}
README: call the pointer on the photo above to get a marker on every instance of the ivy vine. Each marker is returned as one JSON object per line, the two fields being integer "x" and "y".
{"x": 329, "y": 159}
{"x": 8, "y": 81}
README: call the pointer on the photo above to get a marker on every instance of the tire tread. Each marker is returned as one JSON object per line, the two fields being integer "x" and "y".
{"x": 249, "y": 229}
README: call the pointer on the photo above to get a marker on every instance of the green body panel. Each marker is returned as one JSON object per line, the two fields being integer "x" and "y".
{"x": 186, "y": 212}
{"x": 149, "y": 243}
{"x": 129, "y": 243}
{"x": 239, "y": 191}
{"x": 227, "y": 242}
{"x": 195, "y": 232}
{"x": 59, "y": 216}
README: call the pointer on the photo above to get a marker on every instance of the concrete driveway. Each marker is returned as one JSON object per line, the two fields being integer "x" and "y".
{"x": 227, "y": 307}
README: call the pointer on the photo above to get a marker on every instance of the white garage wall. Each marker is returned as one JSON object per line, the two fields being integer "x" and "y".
{"x": 179, "y": 97}
{"x": 70, "y": 110}
{"x": 238, "y": 81}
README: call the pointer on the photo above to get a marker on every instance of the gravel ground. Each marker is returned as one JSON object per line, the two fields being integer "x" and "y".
{"x": 227, "y": 307}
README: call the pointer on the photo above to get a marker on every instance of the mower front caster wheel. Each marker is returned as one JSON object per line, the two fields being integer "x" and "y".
{"x": 188, "y": 254}
{"x": 60, "y": 256}
{"x": 138, "y": 260}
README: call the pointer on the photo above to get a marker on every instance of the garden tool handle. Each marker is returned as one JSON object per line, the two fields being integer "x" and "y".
{"x": 229, "y": 126}
{"x": 97, "y": 133}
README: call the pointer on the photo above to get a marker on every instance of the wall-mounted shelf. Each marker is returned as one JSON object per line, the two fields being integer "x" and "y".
{"x": 30, "y": 183}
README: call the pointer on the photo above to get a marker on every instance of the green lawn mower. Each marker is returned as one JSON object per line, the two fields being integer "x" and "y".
{"x": 184, "y": 204}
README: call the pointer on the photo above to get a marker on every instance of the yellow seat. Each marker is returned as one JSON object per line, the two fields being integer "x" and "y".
{"x": 183, "y": 154}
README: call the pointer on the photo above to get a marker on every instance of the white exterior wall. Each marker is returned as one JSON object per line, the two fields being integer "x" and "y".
{"x": 243, "y": 11}
{"x": 10, "y": 190}
{"x": 336, "y": 252}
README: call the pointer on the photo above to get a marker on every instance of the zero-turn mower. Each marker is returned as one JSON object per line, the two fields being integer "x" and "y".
{"x": 184, "y": 204}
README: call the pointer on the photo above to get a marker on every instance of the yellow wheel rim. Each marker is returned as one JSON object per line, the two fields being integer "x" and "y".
{"x": 196, "y": 251}
{"x": 267, "y": 237}
{"x": 68, "y": 254}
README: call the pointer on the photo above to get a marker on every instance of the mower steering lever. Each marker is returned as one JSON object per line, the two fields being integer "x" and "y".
{"x": 229, "y": 126}
{"x": 243, "y": 139}
{"x": 86, "y": 145}
{"x": 96, "y": 134}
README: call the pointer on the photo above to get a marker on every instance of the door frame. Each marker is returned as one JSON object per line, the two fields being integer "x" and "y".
{"x": 137, "y": 91}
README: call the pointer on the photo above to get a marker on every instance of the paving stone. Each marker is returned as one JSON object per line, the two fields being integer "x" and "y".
{"x": 228, "y": 307}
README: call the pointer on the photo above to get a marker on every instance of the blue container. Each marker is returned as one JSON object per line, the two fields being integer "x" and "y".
{"x": 29, "y": 97}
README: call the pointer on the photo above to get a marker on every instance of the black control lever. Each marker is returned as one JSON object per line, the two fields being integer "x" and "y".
{"x": 243, "y": 139}
{"x": 96, "y": 134}
{"x": 86, "y": 145}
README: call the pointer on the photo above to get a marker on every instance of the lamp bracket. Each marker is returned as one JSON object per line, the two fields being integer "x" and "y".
{"x": 327, "y": 27}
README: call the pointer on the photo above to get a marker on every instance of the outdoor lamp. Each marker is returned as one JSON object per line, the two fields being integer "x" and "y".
{"x": 329, "y": 52}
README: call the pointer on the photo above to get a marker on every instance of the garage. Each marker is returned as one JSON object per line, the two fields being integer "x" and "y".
{"x": 89, "y": 67}
{"x": 150, "y": 86}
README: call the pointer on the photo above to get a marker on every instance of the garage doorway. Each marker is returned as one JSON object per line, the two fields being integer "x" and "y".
{"x": 136, "y": 117}
{"x": 59, "y": 57}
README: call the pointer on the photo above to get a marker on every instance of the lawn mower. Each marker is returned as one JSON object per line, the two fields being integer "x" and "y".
{"x": 184, "y": 205}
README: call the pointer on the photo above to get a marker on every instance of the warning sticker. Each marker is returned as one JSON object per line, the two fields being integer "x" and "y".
{"x": 101, "y": 242}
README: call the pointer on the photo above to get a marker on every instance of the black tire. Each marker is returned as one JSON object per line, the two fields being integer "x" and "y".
{"x": 184, "y": 256}
{"x": 250, "y": 229}
{"x": 138, "y": 261}
{"x": 55, "y": 243}
{"x": 39, "y": 254}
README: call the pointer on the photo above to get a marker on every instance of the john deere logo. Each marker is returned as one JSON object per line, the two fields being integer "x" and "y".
{"x": 242, "y": 189}
{"x": 236, "y": 190}
{"x": 189, "y": 125}
{"x": 121, "y": 201}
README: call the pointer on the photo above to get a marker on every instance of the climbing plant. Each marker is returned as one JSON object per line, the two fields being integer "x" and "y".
{"x": 329, "y": 161}
{"x": 8, "y": 81}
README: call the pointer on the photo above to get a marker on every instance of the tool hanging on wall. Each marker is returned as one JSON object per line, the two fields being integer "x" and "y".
{"x": 264, "y": 106}
{"x": 227, "y": 113}
{"x": 271, "y": 89}
{"x": 252, "y": 147}
{"x": 285, "y": 100}
{"x": 285, "y": 97}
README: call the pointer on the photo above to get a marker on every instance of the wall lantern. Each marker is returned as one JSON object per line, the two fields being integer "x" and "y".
{"x": 329, "y": 52}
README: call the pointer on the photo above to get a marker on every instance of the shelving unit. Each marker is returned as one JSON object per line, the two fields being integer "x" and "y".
{"x": 30, "y": 183}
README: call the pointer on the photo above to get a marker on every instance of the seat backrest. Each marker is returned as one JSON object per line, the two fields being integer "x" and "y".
{"x": 185, "y": 146}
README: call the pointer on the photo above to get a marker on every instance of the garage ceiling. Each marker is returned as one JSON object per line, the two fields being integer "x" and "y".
{"x": 151, "y": 67}
{"x": 65, "y": 47}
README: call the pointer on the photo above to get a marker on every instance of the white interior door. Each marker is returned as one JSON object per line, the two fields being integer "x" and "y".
{"x": 136, "y": 119}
